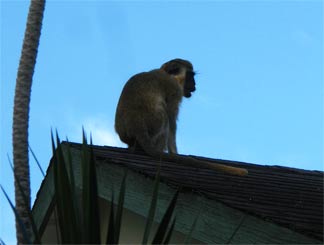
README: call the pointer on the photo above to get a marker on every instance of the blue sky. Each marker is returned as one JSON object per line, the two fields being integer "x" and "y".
{"x": 259, "y": 94}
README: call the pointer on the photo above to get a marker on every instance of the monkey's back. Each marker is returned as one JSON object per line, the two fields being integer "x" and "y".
{"x": 142, "y": 106}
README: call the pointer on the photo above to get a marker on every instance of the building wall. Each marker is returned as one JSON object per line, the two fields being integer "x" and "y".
{"x": 132, "y": 229}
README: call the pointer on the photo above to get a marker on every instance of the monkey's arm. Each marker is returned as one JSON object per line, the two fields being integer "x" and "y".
{"x": 172, "y": 146}
{"x": 172, "y": 111}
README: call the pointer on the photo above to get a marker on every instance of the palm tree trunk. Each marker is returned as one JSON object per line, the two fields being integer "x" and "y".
{"x": 21, "y": 112}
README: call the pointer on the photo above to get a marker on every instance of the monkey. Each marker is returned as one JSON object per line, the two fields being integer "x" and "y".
{"x": 147, "y": 111}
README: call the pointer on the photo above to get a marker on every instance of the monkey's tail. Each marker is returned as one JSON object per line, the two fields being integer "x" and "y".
{"x": 147, "y": 145}
{"x": 188, "y": 160}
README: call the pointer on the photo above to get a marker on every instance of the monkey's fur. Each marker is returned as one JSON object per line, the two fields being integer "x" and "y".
{"x": 147, "y": 112}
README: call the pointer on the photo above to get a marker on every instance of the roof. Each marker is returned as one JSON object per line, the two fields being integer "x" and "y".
{"x": 290, "y": 197}
{"x": 277, "y": 204}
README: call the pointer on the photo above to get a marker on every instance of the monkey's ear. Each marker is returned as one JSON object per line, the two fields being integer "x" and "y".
{"x": 171, "y": 68}
{"x": 174, "y": 71}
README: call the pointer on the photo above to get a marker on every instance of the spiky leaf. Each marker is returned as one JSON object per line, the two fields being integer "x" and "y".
{"x": 162, "y": 229}
{"x": 151, "y": 214}
{"x": 30, "y": 215}
{"x": 120, "y": 208}
{"x": 91, "y": 220}
{"x": 63, "y": 197}
{"x": 20, "y": 222}
{"x": 111, "y": 227}
{"x": 168, "y": 236}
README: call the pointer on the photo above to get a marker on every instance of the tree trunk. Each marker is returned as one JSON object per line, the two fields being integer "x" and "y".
{"x": 21, "y": 112}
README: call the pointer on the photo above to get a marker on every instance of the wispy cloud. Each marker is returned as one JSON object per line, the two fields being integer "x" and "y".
{"x": 102, "y": 131}
{"x": 303, "y": 37}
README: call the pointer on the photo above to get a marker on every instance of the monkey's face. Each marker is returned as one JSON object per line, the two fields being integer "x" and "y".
{"x": 182, "y": 70}
{"x": 189, "y": 85}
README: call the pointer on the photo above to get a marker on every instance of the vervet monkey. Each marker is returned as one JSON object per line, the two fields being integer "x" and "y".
{"x": 147, "y": 111}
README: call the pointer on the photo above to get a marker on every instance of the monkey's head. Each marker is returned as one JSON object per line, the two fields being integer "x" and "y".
{"x": 182, "y": 70}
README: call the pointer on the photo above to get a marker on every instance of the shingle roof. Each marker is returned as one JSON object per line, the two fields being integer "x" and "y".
{"x": 289, "y": 197}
